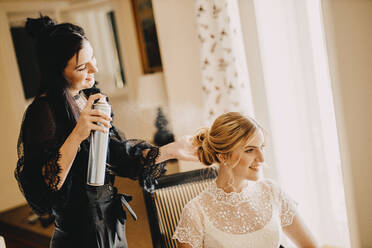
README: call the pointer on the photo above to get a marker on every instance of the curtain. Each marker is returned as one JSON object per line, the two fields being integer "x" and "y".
{"x": 302, "y": 120}
{"x": 225, "y": 79}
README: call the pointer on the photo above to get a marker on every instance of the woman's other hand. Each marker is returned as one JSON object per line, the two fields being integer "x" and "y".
{"x": 89, "y": 118}
{"x": 185, "y": 150}
{"x": 182, "y": 149}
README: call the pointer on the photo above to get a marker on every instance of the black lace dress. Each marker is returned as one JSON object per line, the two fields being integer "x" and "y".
{"x": 85, "y": 216}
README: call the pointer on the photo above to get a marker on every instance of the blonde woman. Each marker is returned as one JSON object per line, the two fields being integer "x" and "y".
{"x": 239, "y": 209}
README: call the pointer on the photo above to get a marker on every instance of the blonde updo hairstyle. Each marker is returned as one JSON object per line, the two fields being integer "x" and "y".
{"x": 229, "y": 131}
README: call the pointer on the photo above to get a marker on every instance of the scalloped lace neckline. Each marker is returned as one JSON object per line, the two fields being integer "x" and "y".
{"x": 232, "y": 197}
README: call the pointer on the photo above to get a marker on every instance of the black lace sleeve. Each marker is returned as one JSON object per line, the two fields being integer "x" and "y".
{"x": 126, "y": 159}
{"x": 37, "y": 170}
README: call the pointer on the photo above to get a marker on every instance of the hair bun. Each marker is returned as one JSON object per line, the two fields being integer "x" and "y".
{"x": 206, "y": 153}
{"x": 37, "y": 26}
{"x": 200, "y": 136}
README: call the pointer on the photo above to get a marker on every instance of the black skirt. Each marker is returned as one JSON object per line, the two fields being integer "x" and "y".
{"x": 100, "y": 223}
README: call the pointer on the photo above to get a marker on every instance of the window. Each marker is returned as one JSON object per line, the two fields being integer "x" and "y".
{"x": 299, "y": 108}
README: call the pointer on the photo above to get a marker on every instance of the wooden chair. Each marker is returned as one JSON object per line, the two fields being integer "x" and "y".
{"x": 164, "y": 206}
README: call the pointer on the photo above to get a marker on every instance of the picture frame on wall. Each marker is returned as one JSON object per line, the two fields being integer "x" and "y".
{"x": 147, "y": 36}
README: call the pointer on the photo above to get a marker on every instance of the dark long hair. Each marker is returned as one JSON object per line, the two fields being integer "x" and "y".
{"x": 56, "y": 44}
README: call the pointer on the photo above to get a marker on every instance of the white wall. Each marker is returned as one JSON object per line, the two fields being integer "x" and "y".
{"x": 13, "y": 104}
{"x": 180, "y": 51}
{"x": 349, "y": 40}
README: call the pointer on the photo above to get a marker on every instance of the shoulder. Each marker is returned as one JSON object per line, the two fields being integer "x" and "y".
{"x": 39, "y": 112}
{"x": 269, "y": 184}
{"x": 193, "y": 203}
{"x": 39, "y": 106}
{"x": 39, "y": 120}
{"x": 280, "y": 196}
{"x": 271, "y": 187}
{"x": 193, "y": 208}
{"x": 192, "y": 214}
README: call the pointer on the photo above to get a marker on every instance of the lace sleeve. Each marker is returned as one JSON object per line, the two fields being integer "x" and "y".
{"x": 288, "y": 209}
{"x": 190, "y": 226}
{"x": 126, "y": 159}
{"x": 37, "y": 170}
{"x": 287, "y": 206}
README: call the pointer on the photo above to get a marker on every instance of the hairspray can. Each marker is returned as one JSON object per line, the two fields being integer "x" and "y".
{"x": 98, "y": 149}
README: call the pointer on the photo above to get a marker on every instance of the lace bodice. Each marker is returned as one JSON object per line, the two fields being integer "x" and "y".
{"x": 251, "y": 218}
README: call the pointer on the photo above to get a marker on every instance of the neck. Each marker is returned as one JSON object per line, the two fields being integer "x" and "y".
{"x": 229, "y": 187}
{"x": 73, "y": 92}
{"x": 230, "y": 183}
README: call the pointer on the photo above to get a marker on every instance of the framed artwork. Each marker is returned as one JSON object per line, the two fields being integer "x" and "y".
{"x": 24, "y": 46}
{"x": 147, "y": 36}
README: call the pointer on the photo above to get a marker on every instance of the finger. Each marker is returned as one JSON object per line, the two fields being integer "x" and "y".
{"x": 189, "y": 157}
{"x": 187, "y": 139}
{"x": 190, "y": 140}
{"x": 193, "y": 157}
{"x": 97, "y": 112}
{"x": 100, "y": 120}
{"x": 96, "y": 127}
{"x": 91, "y": 100}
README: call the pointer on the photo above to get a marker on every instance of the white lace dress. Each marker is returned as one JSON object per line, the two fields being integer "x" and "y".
{"x": 251, "y": 218}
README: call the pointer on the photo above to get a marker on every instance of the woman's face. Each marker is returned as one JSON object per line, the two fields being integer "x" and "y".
{"x": 80, "y": 72}
{"x": 251, "y": 158}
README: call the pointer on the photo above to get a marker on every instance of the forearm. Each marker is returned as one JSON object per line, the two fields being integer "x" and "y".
{"x": 67, "y": 155}
{"x": 300, "y": 234}
{"x": 165, "y": 153}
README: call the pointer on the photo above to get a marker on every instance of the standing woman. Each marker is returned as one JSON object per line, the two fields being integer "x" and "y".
{"x": 53, "y": 146}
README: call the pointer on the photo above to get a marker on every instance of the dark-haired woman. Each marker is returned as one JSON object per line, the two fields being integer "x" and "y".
{"x": 53, "y": 146}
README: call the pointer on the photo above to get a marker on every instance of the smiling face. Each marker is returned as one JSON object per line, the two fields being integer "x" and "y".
{"x": 81, "y": 68}
{"x": 251, "y": 158}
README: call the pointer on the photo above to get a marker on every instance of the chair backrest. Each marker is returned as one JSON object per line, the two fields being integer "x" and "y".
{"x": 164, "y": 205}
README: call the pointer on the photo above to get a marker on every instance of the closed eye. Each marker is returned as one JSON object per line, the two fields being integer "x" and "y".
{"x": 94, "y": 62}
{"x": 82, "y": 69}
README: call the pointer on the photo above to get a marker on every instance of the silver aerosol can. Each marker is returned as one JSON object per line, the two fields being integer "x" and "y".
{"x": 98, "y": 149}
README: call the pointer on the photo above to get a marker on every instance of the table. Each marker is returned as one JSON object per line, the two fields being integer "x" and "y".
{"x": 19, "y": 233}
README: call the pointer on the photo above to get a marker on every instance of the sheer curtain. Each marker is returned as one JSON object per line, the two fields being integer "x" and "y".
{"x": 300, "y": 110}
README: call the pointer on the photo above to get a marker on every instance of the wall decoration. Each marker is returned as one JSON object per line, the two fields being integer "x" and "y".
{"x": 147, "y": 36}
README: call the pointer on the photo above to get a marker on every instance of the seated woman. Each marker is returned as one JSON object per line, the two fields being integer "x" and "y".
{"x": 239, "y": 209}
